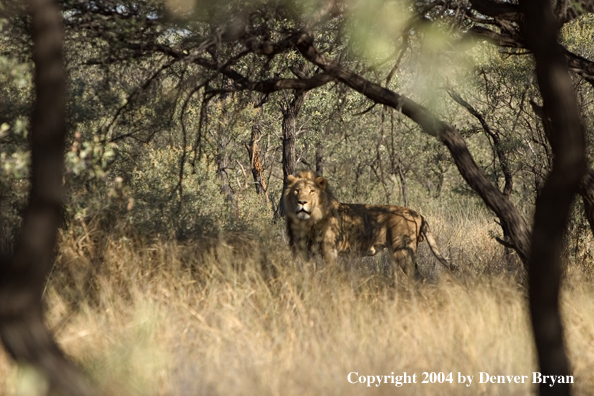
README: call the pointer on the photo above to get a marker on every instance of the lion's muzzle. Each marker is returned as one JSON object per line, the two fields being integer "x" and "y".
{"x": 303, "y": 214}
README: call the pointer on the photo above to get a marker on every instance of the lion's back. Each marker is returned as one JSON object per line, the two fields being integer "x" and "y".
{"x": 369, "y": 228}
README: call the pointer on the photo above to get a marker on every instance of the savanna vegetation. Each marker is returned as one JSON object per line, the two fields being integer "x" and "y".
{"x": 172, "y": 274}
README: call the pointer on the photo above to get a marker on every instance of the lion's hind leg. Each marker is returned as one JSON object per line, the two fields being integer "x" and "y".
{"x": 405, "y": 259}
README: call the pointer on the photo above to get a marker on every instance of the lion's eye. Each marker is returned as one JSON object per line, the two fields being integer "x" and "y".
{"x": 311, "y": 192}
{"x": 296, "y": 191}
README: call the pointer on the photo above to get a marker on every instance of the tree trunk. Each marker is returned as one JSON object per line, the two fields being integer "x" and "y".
{"x": 403, "y": 187}
{"x": 553, "y": 204}
{"x": 23, "y": 276}
{"x": 222, "y": 162}
{"x": 320, "y": 159}
{"x": 256, "y": 164}
{"x": 290, "y": 112}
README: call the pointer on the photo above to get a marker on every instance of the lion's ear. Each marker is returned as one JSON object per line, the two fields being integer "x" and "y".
{"x": 291, "y": 179}
{"x": 321, "y": 182}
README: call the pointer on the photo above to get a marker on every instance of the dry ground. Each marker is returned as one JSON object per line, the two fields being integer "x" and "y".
{"x": 236, "y": 316}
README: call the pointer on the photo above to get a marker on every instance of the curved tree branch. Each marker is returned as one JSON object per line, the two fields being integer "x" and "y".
{"x": 512, "y": 221}
{"x": 511, "y": 39}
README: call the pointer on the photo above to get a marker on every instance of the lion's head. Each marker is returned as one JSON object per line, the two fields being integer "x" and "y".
{"x": 306, "y": 197}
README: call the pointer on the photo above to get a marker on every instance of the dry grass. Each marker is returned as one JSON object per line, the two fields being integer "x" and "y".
{"x": 238, "y": 317}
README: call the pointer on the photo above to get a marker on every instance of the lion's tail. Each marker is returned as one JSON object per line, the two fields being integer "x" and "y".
{"x": 433, "y": 246}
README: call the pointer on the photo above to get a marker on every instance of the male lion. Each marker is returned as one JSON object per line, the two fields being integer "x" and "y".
{"x": 318, "y": 223}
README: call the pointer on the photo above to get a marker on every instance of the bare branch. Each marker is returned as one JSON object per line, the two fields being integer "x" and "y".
{"x": 511, "y": 39}
{"x": 133, "y": 95}
{"x": 499, "y": 151}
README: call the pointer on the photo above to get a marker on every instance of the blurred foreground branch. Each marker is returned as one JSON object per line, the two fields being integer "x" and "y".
{"x": 23, "y": 272}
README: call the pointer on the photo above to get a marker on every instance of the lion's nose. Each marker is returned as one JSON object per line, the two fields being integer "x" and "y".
{"x": 302, "y": 202}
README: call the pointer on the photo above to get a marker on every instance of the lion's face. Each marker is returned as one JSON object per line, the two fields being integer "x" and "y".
{"x": 305, "y": 197}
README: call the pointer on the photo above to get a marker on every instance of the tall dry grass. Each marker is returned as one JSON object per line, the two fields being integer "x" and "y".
{"x": 235, "y": 315}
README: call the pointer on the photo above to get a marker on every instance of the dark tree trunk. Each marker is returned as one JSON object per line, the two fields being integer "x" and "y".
{"x": 290, "y": 112}
{"x": 23, "y": 276}
{"x": 553, "y": 204}
{"x": 320, "y": 159}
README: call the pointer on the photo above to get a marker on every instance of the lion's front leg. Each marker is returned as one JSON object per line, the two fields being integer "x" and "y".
{"x": 329, "y": 243}
{"x": 301, "y": 249}
{"x": 299, "y": 241}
